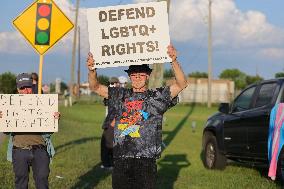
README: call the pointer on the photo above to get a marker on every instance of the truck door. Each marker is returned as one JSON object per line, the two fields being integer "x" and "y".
{"x": 235, "y": 128}
{"x": 258, "y": 119}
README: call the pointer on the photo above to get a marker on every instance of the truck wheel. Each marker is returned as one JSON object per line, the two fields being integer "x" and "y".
{"x": 212, "y": 159}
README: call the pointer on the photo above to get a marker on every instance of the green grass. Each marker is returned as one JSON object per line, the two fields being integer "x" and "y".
{"x": 78, "y": 154}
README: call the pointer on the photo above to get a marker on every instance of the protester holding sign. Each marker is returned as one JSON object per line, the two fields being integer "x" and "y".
{"x": 138, "y": 122}
{"x": 30, "y": 149}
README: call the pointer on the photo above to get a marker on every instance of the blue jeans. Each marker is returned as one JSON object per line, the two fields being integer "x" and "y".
{"x": 38, "y": 159}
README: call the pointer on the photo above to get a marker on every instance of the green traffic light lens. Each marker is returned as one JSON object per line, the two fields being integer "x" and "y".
{"x": 42, "y": 37}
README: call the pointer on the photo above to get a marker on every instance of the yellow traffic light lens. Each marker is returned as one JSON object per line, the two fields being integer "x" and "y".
{"x": 43, "y": 24}
{"x": 42, "y": 37}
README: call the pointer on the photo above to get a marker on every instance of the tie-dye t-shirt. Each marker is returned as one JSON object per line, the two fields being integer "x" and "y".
{"x": 138, "y": 125}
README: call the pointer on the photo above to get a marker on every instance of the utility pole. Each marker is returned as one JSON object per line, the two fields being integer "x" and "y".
{"x": 74, "y": 54}
{"x": 79, "y": 69}
{"x": 209, "y": 92}
{"x": 157, "y": 76}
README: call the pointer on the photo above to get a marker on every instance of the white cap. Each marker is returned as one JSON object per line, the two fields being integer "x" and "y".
{"x": 122, "y": 79}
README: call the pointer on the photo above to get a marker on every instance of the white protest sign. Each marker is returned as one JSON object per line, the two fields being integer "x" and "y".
{"x": 129, "y": 34}
{"x": 28, "y": 113}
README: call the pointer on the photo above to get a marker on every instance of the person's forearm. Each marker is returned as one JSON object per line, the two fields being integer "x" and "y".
{"x": 93, "y": 80}
{"x": 179, "y": 75}
{"x": 95, "y": 86}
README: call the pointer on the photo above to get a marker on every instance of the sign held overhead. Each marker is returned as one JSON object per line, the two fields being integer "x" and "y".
{"x": 129, "y": 34}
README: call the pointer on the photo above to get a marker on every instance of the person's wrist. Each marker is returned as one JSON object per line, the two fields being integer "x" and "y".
{"x": 92, "y": 70}
{"x": 174, "y": 60}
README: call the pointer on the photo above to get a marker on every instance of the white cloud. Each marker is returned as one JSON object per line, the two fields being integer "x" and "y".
{"x": 231, "y": 26}
{"x": 273, "y": 53}
{"x": 69, "y": 10}
{"x": 66, "y": 43}
{"x": 13, "y": 42}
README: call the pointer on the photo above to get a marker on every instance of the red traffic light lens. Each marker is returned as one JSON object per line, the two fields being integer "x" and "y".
{"x": 44, "y": 10}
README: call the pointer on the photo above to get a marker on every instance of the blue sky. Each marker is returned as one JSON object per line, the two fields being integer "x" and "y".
{"x": 248, "y": 35}
{"x": 273, "y": 9}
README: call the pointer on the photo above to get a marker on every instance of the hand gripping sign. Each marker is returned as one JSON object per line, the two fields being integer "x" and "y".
{"x": 129, "y": 34}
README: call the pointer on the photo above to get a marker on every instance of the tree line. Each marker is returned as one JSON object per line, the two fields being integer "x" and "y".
{"x": 241, "y": 79}
{"x": 8, "y": 83}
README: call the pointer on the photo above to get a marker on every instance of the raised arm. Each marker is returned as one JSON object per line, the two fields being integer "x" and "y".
{"x": 95, "y": 86}
{"x": 181, "y": 82}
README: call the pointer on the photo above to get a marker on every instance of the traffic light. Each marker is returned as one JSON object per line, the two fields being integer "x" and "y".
{"x": 43, "y": 17}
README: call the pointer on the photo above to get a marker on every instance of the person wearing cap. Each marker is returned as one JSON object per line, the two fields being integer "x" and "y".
{"x": 107, "y": 136}
{"x": 113, "y": 82}
{"x": 138, "y": 122}
{"x": 122, "y": 81}
{"x": 27, "y": 150}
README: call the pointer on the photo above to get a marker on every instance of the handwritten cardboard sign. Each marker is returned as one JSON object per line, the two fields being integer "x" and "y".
{"x": 28, "y": 113}
{"x": 129, "y": 34}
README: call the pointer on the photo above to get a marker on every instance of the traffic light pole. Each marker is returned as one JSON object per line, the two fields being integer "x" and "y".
{"x": 40, "y": 74}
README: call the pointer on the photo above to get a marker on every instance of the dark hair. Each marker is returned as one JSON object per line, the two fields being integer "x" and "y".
{"x": 34, "y": 76}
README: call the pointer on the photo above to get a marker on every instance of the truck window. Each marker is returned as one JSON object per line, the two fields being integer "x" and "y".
{"x": 265, "y": 94}
{"x": 243, "y": 101}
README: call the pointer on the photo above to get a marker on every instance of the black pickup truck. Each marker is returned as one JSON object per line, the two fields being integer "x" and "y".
{"x": 239, "y": 131}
